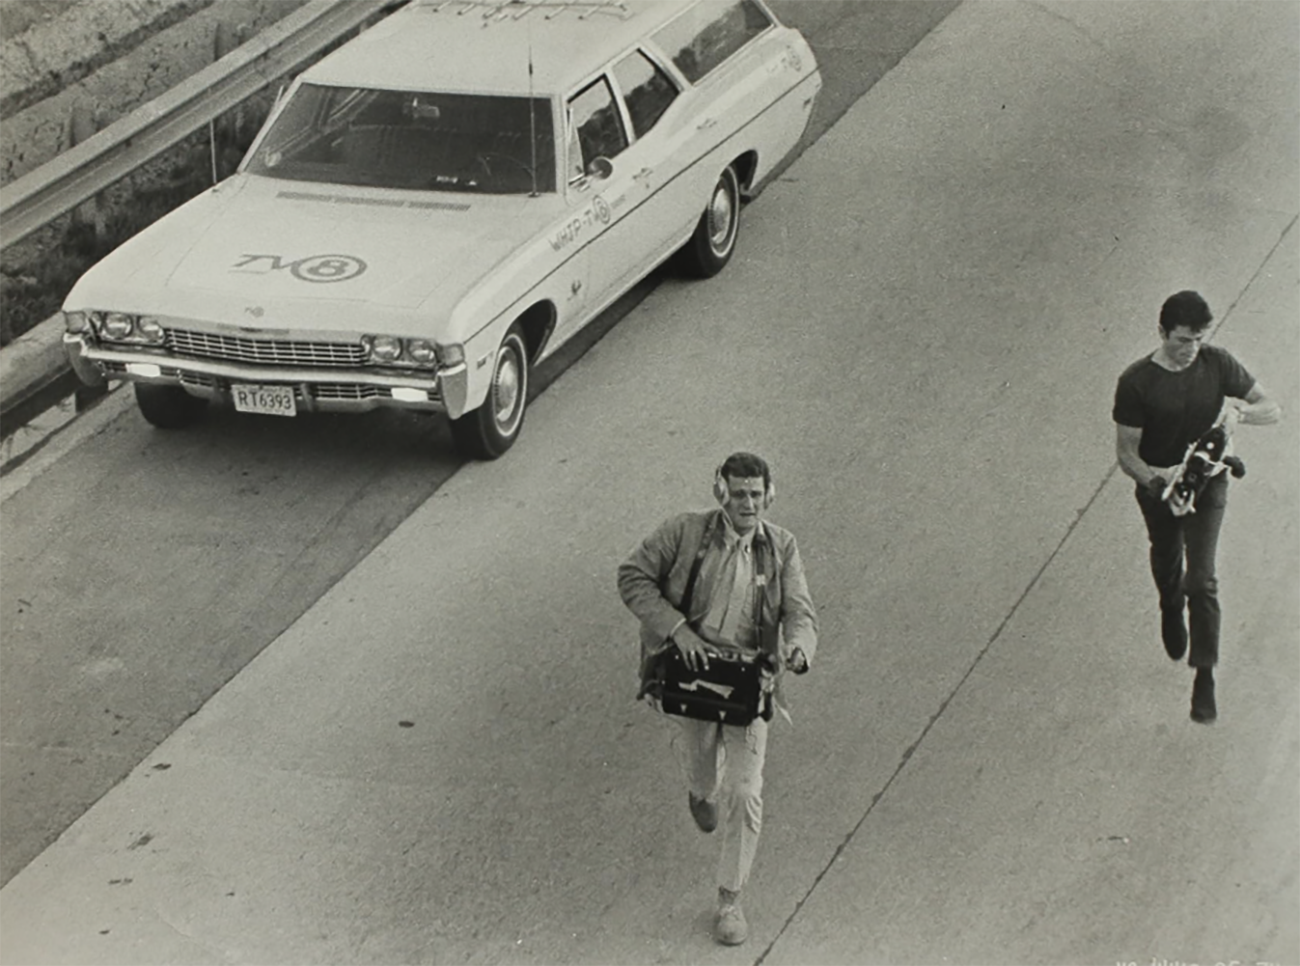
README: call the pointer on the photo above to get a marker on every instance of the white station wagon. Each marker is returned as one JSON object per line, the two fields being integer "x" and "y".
{"x": 442, "y": 202}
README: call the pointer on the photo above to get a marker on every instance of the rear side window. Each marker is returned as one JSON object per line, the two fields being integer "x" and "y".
{"x": 705, "y": 36}
{"x": 647, "y": 90}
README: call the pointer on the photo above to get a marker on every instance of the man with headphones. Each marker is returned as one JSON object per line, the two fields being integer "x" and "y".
{"x": 724, "y": 578}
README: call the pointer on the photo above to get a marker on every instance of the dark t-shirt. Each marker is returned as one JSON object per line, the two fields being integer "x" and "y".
{"x": 1175, "y": 408}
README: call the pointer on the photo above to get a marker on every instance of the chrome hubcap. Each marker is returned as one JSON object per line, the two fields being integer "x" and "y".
{"x": 505, "y": 387}
{"x": 721, "y": 215}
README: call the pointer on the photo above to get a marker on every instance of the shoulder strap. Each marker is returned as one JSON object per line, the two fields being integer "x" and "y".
{"x": 689, "y": 593}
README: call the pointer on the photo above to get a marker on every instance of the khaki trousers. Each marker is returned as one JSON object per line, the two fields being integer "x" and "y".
{"x": 724, "y": 764}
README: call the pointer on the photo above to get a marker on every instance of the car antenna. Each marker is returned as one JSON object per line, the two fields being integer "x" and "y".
{"x": 532, "y": 114}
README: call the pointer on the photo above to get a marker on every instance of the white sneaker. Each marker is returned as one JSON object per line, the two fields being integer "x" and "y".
{"x": 730, "y": 929}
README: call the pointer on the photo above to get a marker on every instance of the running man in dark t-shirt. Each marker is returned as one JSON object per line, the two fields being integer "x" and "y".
{"x": 1163, "y": 403}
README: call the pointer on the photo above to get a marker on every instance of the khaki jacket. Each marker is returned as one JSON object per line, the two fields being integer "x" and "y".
{"x": 652, "y": 583}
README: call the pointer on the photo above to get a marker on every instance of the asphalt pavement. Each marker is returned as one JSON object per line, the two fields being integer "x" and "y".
{"x": 441, "y": 761}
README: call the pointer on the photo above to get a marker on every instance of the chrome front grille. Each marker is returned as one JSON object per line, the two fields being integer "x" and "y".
{"x": 330, "y": 390}
{"x": 272, "y": 352}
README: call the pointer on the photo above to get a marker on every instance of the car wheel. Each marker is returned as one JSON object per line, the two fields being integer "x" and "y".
{"x": 487, "y": 432}
{"x": 168, "y": 407}
{"x": 714, "y": 240}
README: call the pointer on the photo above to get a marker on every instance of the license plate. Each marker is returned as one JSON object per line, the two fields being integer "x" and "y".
{"x": 267, "y": 400}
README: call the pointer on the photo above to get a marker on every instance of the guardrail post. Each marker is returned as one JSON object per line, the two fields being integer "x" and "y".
{"x": 83, "y": 122}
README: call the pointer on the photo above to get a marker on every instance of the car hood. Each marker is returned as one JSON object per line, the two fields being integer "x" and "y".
{"x": 310, "y": 254}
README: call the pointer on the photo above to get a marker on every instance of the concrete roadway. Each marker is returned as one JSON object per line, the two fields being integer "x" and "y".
{"x": 440, "y": 761}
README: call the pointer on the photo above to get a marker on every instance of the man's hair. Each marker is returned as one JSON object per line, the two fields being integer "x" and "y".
{"x": 740, "y": 465}
{"x": 1186, "y": 309}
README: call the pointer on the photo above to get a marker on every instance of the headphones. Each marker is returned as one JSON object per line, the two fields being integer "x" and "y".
{"x": 721, "y": 492}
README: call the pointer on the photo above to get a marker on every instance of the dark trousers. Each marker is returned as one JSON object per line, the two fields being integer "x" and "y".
{"x": 1195, "y": 538}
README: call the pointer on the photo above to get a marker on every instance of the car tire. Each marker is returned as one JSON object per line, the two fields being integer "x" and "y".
{"x": 714, "y": 240}
{"x": 487, "y": 432}
{"x": 168, "y": 407}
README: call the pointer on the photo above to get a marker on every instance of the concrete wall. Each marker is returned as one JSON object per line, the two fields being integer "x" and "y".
{"x": 109, "y": 56}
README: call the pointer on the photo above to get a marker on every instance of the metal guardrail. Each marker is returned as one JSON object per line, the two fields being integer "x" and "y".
{"x": 106, "y": 157}
{"x": 35, "y": 376}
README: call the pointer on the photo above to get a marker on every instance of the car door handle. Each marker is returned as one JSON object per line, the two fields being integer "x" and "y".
{"x": 708, "y": 122}
{"x": 643, "y": 174}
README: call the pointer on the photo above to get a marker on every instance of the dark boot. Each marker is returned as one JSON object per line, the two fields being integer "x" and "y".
{"x": 703, "y": 811}
{"x": 1203, "y": 707}
{"x": 1173, "y": 631}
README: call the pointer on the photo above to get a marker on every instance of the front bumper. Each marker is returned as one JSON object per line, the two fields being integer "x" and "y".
{"x": 315, "y": 388}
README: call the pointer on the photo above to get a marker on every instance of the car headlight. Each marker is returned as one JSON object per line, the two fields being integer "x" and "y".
{"x": 384, "y": 348}
{"x": 391, "y": 350}
{"x": 117, "y": 325}
{"x": 421, "y": 351}
{"x": 149, "y": 329}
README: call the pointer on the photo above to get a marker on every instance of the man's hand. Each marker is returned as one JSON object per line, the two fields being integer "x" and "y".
{"x": 797, "y": 661}
{"x": 1156, "y": 485}
{"x": 694, "y": 651}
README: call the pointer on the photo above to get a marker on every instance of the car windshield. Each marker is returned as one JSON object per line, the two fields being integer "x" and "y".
{"x": 411, "y": 140}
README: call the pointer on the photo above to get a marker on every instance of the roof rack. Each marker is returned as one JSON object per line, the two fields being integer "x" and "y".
{"x": 492, "y": 10}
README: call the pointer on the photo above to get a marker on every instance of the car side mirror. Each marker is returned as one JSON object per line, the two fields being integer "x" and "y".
{"x": 600, "y": 168}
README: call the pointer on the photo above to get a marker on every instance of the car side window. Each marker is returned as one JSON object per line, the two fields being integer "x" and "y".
{"x": 647, "y": 90}
{"x": 706, "y": 35}
{"x": 596, "y": 128}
